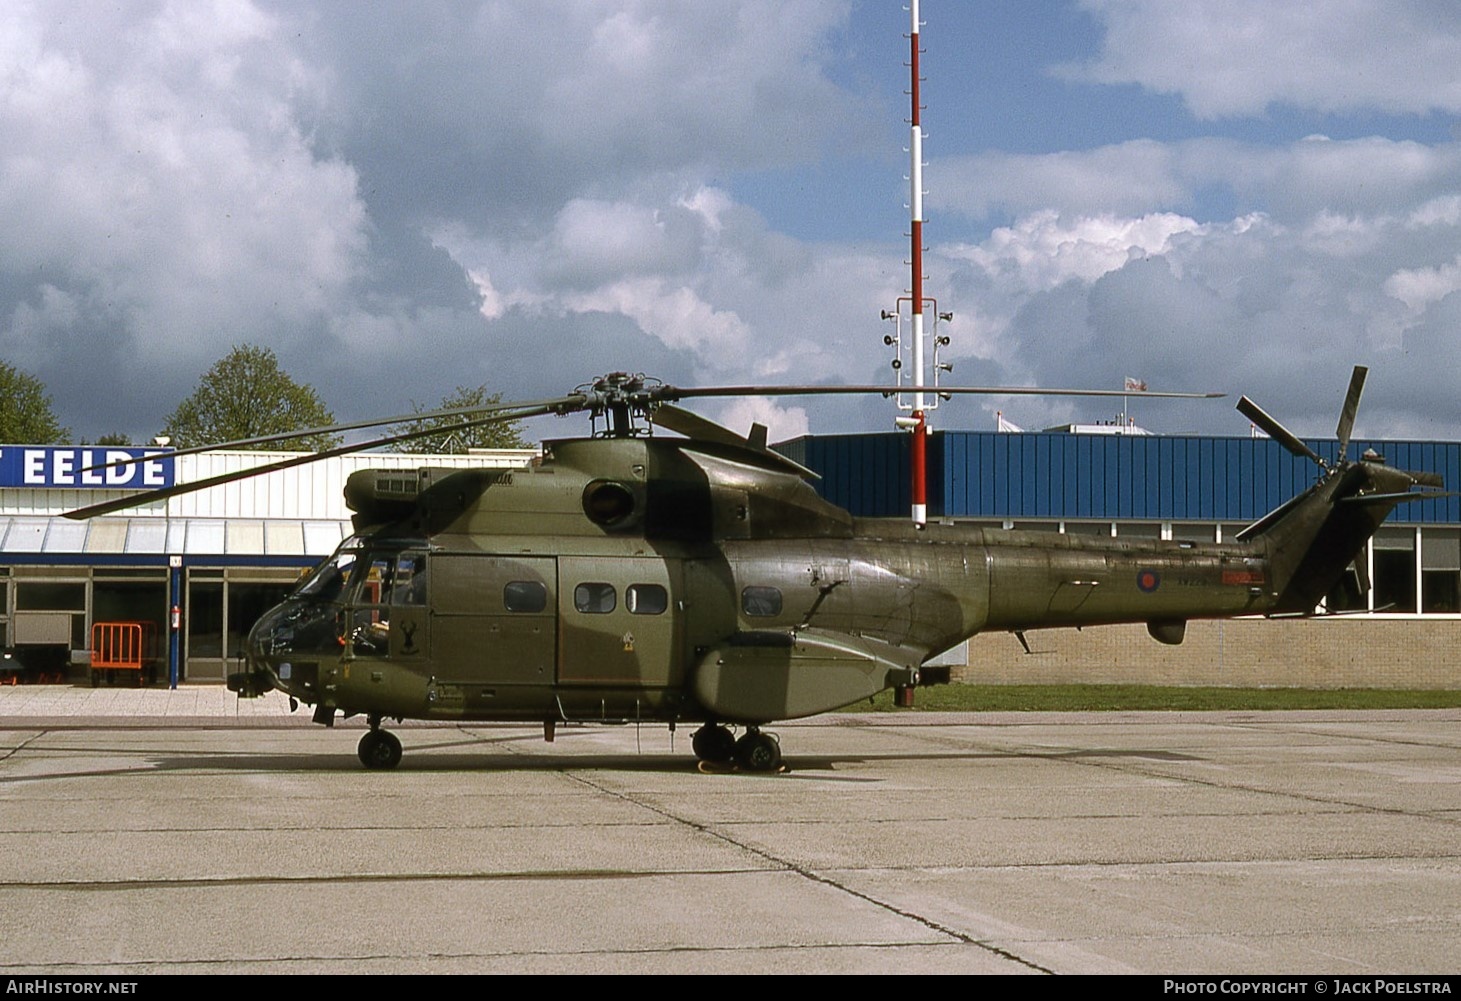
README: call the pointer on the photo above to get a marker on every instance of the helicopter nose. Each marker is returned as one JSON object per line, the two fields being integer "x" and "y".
{"x": 265, "y": 636}
{"x": 289, "y": 642}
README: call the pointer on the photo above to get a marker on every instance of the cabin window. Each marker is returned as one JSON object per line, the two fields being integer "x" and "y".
{"x": 646, "y": 599}
{"x": 524, "y": 596}
{"x": 595, "y": 599}
{"x": 761, "y": 602}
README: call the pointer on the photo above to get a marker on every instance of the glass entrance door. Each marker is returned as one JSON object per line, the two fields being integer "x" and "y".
{"x": 222, "y": 606}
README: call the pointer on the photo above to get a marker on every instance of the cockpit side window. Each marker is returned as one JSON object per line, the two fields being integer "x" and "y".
{"x": 408, "y": 581}
{"x": 390, "y": 579}
{"x": 382, "y": 584}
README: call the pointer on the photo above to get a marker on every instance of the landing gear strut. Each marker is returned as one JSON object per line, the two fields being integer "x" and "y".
{"x": 379, "y": 749}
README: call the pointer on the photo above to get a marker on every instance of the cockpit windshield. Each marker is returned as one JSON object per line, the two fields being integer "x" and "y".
{"x": 327, "y": 582}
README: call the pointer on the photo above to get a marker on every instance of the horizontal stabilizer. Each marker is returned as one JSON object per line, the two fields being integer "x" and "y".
{"x": 1400, "y": 497}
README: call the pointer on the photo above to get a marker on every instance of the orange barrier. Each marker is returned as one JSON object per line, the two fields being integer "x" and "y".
{"x": 123, "y": 646}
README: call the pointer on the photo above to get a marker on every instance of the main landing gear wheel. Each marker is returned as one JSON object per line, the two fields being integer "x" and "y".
{"x": 758, "y": 752}
{"x": 379, "y": 749}
{"x": 713, "y": 743}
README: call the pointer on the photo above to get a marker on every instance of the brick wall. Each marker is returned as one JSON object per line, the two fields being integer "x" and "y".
{"x": 1340, "y": 652}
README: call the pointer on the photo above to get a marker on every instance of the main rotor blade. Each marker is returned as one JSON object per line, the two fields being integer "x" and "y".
{"x": 571, "y": 402}
{"x": 1351, "y": 404}
{"x": 135, "y": 500}
{"x": 1276, "y": 431}
{"x": 670, "y": 393}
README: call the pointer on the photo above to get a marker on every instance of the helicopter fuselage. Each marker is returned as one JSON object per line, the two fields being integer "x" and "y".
{"x": 641, "y": 579}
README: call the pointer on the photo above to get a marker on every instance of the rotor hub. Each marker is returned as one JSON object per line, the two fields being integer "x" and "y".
{"x": 623, "y": 401}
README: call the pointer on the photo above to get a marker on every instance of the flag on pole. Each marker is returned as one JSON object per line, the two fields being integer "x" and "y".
{"x": 1135, "y": 385}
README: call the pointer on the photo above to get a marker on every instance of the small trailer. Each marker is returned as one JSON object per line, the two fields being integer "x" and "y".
{"x": 123, "y": 647}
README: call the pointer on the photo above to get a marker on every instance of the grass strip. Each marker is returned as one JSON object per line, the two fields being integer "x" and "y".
{"x": 1073, "y": 698}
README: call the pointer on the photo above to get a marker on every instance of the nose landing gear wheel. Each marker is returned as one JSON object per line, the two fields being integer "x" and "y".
{"x": 758, "y": 752}
{"x": 379, "y": 749}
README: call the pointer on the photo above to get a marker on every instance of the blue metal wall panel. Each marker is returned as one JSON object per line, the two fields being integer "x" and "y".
{"x": 1052, "y": 485}
{"x": 1109, "y": 465}
{"x": 988, "y": 475}
{"x": 1063, "y": 453}
{"x": 1208, "y": 483}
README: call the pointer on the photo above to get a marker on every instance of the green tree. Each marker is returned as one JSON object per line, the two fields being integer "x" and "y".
{"x": 247, "y": 395}
{"x": 26, "y": 417}
{"x": 502, "y": 434}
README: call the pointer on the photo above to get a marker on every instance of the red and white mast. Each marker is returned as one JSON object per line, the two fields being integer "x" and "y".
{"x": 918, "y": 456}
{"x": 917, "y": 393}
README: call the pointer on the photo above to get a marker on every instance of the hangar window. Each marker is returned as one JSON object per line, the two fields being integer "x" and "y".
{"x": 595, "y": 599}
{"x": 47, "y": 596}
{"x": 524, "y": 596}
{"x": 1440, "y": 570}
{"x": 761, "y": 602}
{"x": 646, "y": 599}
{"x": 1198, "y": 532}
{"x": 1394, "y": 576}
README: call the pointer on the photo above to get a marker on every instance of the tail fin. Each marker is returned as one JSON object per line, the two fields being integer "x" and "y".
{"x": 1312, "y": 539}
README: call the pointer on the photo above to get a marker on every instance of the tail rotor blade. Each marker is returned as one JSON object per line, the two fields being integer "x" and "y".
{"x": 1362, "y": 574}
{"x": 1351, "y": 404}
{"x": 1270, "y": 426}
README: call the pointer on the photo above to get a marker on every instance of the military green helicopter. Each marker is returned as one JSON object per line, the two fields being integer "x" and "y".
{"x": 701, "y": 580}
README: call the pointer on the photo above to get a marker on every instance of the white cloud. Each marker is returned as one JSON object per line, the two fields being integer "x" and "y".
{"x": 1126, "y": 177}
{"x": 1239, "y": 57}
{"x": 1042, "y": 250}
{"x": 157, "y": 189}
{"x": 1299, "y": 178}
{"x": 1420, "y": 287}
{"x": 782, "y": 422}
{"x": 675, "y": 315}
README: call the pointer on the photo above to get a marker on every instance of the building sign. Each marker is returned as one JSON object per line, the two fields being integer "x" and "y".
{"x": 70, "y": 467}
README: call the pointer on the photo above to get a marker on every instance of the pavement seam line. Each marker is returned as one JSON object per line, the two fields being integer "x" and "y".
{"x": 808, "y": 874}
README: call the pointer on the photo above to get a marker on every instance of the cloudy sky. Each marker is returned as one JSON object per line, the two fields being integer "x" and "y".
{"x": 400, "y": 198}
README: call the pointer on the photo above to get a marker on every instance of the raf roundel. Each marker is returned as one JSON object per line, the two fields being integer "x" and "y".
{"x": 1148, "y": 581}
